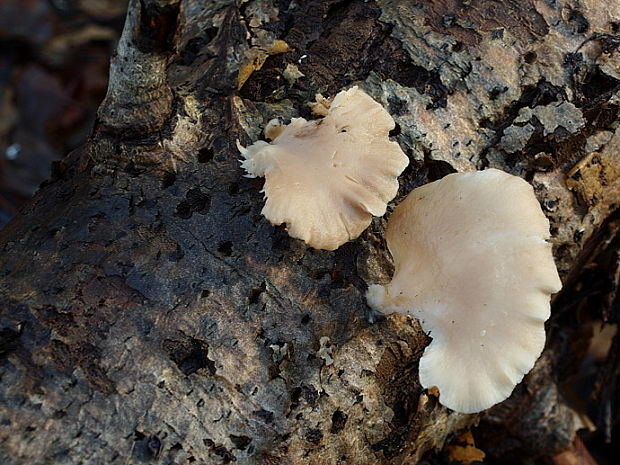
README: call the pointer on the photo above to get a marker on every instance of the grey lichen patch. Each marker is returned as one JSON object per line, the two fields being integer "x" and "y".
{"x": 325, "y": 352}
{"x": 399, "y": 101}
{"x": 516, "y": 137}
{"x": 451, "y": 134}
{"x": 448, "y": 134}
{"x": 486, "y": 82}
{"x": 553, "y": 116}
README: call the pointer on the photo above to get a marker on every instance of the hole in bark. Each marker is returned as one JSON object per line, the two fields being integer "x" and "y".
{"x": 265, "y": 415}
{"x": 183, "y": 210}
{"x": 153, "y": 446}
{"x": 314, "y": 435}
{"x": 305, "y": 319}
{"x": 530, "y": 57}
{"x": 226, "y": 455}
{"x": 255, "y": 292}
{"x": 205, "y": 155}
{"x": 438, "y": 169}
{"x": 205, "y": 293}
{"x": 577, "y": 236}
{"x": 496, "y": 92}
{"x": 196, "y": 201}
{"x": 578, "y": 22}
{"x": 240, "y": 442}
{"x": 132, "y": 170}
{"x": 339, "y": 420}
{"x": 189, "y": 355}
{"x": 233, "y": 189}
{"x": 177, "y": 255}
{"x": 225, "y": 248}
{"x": 304, "y": 393}
{"x": 8, "y": 341}
{"x": 168, "y": 179}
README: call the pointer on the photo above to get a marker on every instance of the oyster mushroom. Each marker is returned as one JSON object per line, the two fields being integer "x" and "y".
{"x": 326, "y": 178}
{"x": 473, "y": 264}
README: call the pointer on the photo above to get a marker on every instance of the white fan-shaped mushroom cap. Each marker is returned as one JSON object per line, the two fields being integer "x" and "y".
{"x": 473, "y": 265}
{"x": 326, "y": 178}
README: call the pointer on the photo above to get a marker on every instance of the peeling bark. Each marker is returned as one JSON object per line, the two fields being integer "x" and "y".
{"x": 151, "y": 314}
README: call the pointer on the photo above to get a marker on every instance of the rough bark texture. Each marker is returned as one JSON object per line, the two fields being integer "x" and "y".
{"x": 151, "y": 314}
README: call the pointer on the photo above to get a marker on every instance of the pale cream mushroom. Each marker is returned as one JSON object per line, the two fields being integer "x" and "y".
{"x": 473, "y": 264}
{"x": 326, "y": 178}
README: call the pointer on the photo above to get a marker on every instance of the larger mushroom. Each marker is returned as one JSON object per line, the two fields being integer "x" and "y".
{"x": 473, "y": 264}
{"x": 326, "y": 178}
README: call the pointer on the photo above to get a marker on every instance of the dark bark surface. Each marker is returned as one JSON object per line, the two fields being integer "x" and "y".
{"x": 150, "y": 314}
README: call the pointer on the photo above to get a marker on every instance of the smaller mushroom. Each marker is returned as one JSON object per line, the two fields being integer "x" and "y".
{"x": 326, "y": 178}
{"x": 473, "y": 264}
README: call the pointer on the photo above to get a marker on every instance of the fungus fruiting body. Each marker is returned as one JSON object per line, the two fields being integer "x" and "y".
{"x": 326, "y": 178}
{"x": 473, "y": 264}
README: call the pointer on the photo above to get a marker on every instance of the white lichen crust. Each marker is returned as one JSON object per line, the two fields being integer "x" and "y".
{"x": 473, "y": 264}
{"x": 326, "y": 178}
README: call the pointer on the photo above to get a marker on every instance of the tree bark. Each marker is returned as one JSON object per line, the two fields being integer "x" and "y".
{"x": 149, "y": 313}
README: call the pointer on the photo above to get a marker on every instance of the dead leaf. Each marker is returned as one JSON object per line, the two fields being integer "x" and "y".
{"x": 464, "y": 451}
{"x": 257, "y": 57}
